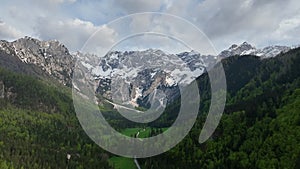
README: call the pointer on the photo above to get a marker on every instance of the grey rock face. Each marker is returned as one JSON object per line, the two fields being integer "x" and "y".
{"x": 247, "y": 49}
{"x": 237, "y": 50}
{"x": 50, "y": 56}
{"x": 131, "y": 77}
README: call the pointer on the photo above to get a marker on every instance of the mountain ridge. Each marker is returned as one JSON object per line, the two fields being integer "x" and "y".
{"x": 52, "y": 57}
{"x": 130, "y": 75}
{"x": 248, "y": 49}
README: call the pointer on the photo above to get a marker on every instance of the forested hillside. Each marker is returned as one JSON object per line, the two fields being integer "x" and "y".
{"x": 39, "y": 128}
{"x": 261, "y": 124}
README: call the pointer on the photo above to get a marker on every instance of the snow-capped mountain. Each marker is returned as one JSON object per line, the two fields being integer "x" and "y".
{"x": 247, "y": 49}
{"x": 271, "y": 51}
{"x": 131, "y": 77}
{"x": 237, "y": 50}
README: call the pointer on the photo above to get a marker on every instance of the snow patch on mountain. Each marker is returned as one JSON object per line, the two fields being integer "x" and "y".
{"x": 137, "y": 74}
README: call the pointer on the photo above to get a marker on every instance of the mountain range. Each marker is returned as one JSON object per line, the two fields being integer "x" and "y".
{"x": 132, "y": 76}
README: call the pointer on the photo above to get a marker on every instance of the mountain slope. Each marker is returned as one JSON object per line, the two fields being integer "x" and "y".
{"x": 39, "y": 128}
{"x": 40, "y": 58}
{"x": 261, "y": 124}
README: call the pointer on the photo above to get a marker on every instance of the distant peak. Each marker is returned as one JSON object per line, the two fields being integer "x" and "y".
{"x": 242, "y": 45}
{"x": 233, "y": 46}
{"x": 247, "y": 49}
{"x": 29, "y": 38}
{"x": 242, "y": 49}
{"x": 245, "y": 43}
{"x": 3, "y": 41}
{"x": 153, "y": 50}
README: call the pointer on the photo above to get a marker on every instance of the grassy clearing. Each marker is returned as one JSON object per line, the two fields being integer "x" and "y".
{"x": 122, "y": 163}
{"x": 128, "y": 163}
{"x": 130, "y": 131}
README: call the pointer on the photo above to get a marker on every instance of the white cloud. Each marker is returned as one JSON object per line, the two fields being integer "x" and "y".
{"x": 162, "y": 25}
{"x": 8, "y": 32}
{"x": 286, "y": 26}
{"x": 233, "y": 21}
{"x": 140, "y": 23}
{"x": 73, "y": 32}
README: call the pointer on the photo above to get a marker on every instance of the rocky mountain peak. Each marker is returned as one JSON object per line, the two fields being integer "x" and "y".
{"x": 234, "y": 46}
{"x": 246, "y": 44}
{"x": 237, "y": 50}
{"x": 247, "y": 49}
{"x": 51, "y": 56}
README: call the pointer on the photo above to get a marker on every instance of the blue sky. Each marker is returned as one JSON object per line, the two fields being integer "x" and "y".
{"x": 224, "y": 22}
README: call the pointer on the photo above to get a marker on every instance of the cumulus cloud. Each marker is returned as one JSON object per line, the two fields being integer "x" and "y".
{"x": 8, "y": 32}
{"x": 236, "y": 21}
{"x": 233, "y": 16}
{"x": 158, "y": 25}
{"x": 73, "y": 32}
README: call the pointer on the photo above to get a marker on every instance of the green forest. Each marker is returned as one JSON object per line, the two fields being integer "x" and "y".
{"x": 260, "y": 127}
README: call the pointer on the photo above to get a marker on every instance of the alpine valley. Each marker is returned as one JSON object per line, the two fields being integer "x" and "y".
{"x": 260, "y": 127}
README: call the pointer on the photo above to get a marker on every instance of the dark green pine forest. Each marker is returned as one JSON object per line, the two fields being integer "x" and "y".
{"x": 260, "y": 127}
